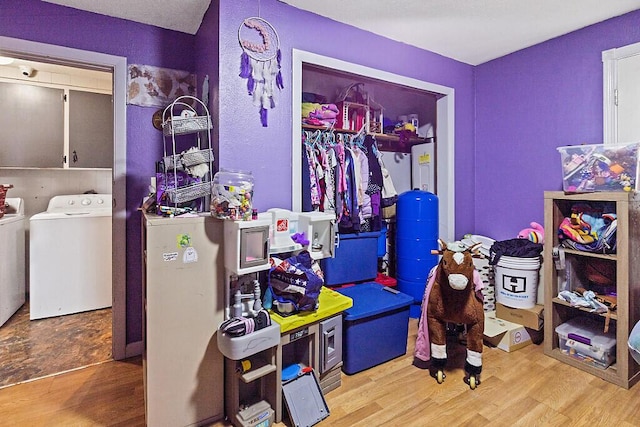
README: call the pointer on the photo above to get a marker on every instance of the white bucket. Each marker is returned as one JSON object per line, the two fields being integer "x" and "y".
{"x": 516, "y": 281}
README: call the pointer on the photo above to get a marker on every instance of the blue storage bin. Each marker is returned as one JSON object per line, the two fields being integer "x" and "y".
{"x": 375, "y": 328}
{"x": 355, "y": 259}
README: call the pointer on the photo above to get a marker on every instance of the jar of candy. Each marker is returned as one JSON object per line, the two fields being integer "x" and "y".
{"x": 232, "y": 194}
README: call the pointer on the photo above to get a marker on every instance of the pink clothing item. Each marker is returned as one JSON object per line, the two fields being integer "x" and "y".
{"x": 314, "y": 185}
{"x": 423, "y": 346}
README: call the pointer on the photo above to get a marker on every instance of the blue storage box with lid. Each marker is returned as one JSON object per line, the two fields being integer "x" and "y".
{"x": 375, "y": 328}
{"x": 355, "y": 259}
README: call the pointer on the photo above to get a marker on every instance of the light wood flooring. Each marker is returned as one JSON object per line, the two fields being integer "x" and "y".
{"x": 36, "y": 348}
{"x": 522, "y": 388}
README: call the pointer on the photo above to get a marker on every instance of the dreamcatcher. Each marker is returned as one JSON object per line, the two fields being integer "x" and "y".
{"x": 260, "y": 63}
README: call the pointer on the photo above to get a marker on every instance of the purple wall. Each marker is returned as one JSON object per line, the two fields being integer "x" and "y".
{"x": 527, "y": 104}
{"x": 141, "y": 44}
{"x": 206, "y": 62}
{"x": 245, "y": 144}
{"x": 518, "y": 109}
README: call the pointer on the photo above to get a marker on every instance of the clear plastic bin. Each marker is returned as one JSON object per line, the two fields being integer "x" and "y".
{"x": 585, "y": 340}
{"x": 599, "y": 167}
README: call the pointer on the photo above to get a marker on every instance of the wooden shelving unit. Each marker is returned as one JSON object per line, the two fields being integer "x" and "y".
{"x": 625, "y": 372}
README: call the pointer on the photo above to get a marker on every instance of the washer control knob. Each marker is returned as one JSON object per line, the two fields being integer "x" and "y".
{"x": 86, "y": 202}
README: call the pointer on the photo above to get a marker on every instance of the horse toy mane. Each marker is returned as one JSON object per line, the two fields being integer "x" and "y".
{"x": 453, "y": 295}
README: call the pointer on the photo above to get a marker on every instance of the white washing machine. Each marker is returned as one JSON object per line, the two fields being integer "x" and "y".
{"x": 12, "y": 259}
{"x": 70, "y": 256}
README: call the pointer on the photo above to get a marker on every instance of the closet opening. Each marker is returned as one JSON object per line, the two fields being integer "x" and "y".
{"x": 389, "y": 97}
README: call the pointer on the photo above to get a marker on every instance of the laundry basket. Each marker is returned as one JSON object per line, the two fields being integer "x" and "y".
{"x": 3, "y": 195}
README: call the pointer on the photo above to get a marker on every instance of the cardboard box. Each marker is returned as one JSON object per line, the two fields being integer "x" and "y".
{"x": 530, "y": 317}
{"x": 503, "y": 334}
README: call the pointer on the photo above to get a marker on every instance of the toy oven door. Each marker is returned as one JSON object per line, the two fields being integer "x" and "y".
{"x": 254, "y": 246}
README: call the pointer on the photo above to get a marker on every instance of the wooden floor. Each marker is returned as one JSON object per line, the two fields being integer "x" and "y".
{"x": 32, "y": 349}
{"x": 522, "y": 388}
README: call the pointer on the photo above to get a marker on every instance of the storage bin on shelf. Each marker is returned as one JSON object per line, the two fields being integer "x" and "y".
{"x": 599, "y": 167}
{"x": 188, "y": 192}
{"x": 186, "y": 123}
{"x": 188, "y": 159}
{"x": 584, "y": 339}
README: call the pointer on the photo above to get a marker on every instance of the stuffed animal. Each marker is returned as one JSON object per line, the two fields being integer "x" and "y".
{"x": 453, "y": 295}
{"x": 535, "y": 233}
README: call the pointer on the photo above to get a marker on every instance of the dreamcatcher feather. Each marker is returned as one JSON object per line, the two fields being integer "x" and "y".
{"x": 260, "y": 63}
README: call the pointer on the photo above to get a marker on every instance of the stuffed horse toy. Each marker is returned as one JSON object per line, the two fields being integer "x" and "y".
{"x": 452, "y": 295}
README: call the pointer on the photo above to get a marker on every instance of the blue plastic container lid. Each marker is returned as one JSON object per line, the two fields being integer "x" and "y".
{"x": 372, "y": 298}
{"x": 365, "y": 235}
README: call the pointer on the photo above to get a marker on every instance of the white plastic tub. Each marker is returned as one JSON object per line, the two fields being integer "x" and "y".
{"x": 516, "y": 281}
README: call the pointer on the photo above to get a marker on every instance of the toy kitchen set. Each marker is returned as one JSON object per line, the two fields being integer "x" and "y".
{"x": 278, "y": 353}
{"x": 268, "y": 360}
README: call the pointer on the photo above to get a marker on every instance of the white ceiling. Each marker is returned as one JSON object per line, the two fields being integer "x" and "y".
{"x": 470, "y": 31}
{"x": 179, "y": 15}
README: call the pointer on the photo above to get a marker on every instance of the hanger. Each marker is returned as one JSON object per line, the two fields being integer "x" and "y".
{"x": 307, "y": 138}
{"x": 329, "y": 139}
{"x": 376, "y": 150}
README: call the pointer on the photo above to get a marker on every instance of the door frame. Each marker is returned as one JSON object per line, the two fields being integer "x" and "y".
{"x": 445, "y": 131}
{"x": 118, "y": 65}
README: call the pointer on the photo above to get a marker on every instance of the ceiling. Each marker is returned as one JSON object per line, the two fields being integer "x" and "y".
{"x": 470, "y": 31}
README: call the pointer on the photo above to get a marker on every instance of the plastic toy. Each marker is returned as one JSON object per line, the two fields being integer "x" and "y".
{"x": 535, "y": 233}
{"x": 453, "y": 295}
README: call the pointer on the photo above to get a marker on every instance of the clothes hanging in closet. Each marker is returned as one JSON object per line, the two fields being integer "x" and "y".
{"x": 341, "y": 173}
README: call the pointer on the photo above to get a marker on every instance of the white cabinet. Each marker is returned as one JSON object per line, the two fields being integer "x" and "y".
{"x": 64, "y": 128}
{"x": 183, "y": 305}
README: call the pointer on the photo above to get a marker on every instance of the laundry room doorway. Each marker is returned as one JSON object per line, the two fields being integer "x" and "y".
{"x": 109, "y": 178}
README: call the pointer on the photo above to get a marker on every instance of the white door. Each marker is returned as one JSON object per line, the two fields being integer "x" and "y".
{"x": 629, "y": 99}
{"x": 622, "y": 94}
